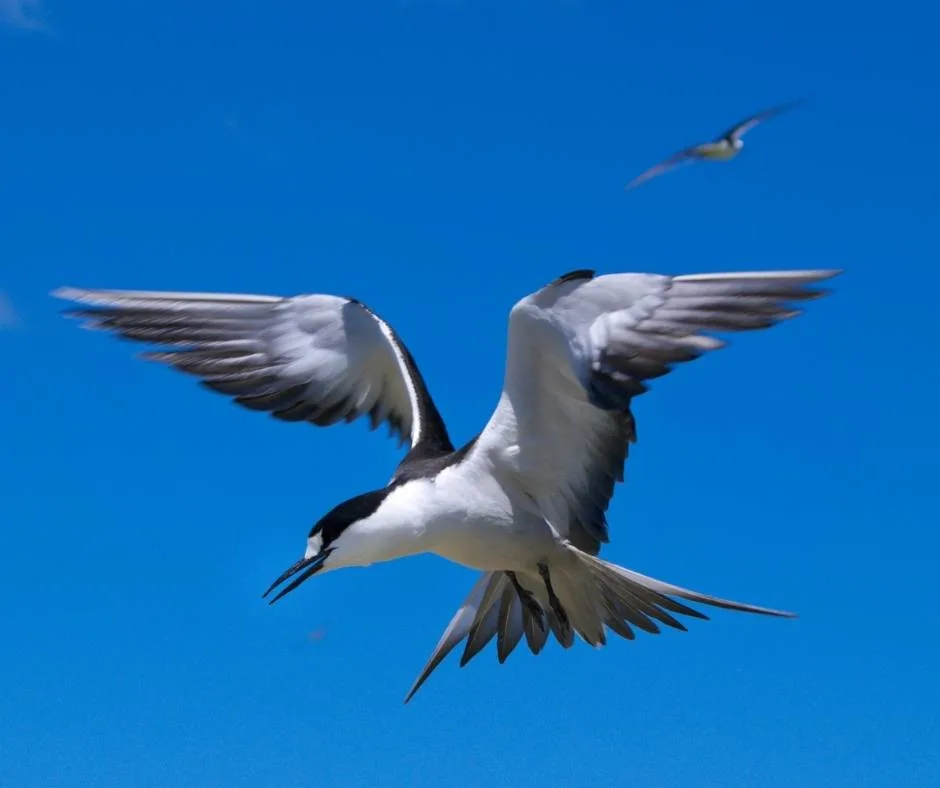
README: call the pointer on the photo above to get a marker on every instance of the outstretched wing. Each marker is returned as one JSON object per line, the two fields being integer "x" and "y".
{"x": 744, "y": 126}
{"x": 315, "y": 358}
{"x": 581, "y": 348}
{"x": 672, "y": 162}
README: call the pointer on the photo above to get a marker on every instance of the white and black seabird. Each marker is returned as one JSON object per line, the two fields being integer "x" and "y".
{"x": 724, "y": 147}
{"x": 525, "y": 500}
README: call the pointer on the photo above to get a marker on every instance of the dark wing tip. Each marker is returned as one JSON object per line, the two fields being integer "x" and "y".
{"x": 748, "y": 123}
{"x": 574, "y": 276}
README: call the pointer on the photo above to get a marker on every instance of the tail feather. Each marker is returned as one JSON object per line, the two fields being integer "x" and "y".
{"x": 614, "y": 618}
{"x": 536, "y": 634}
{"x": 482, "y": 632}
{"x": 593, "y": 593}
{"x": 511, "y": 623}
{"x": 640, "y": 606}
{"x": 581, "y": 610}
{"x": 636, "y": 593}
{"x": 456, "y": 630}
{"x": 486, "y": 621}
{"x": 661, "y": 589}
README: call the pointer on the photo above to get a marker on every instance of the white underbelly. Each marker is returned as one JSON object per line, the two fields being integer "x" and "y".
{"x": 716, "y": 152}
{"x": 485, "y": 526}
{"x": 491, "y": 545}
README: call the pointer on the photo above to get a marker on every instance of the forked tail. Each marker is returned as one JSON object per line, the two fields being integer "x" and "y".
{"x": 590, "y": 594}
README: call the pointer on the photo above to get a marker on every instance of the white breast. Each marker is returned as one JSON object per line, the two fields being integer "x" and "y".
{"x": 485, "y": 524}
{"x": 717, "y": 151}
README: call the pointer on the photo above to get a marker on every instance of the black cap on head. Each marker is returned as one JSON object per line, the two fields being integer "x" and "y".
{"x": 340, "y": 517}
{"x": 329, "y": 528}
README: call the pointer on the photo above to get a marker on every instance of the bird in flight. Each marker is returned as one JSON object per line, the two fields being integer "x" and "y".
{"x": 524, "y": 502}
{"x": 724, "y": 147}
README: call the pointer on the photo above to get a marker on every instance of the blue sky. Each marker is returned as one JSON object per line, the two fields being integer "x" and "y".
{"x": 439, "y": 160}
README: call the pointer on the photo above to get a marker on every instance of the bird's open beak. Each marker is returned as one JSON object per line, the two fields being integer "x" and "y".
{"x": 313, "y": 564}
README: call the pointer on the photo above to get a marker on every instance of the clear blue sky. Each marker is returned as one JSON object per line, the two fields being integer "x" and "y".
{"x": 439, "y": 160}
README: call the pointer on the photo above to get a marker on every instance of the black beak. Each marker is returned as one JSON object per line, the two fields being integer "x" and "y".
{"x": 313, "y": 565}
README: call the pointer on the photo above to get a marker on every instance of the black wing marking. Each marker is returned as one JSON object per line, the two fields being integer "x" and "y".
{"x": 744, "y": 126}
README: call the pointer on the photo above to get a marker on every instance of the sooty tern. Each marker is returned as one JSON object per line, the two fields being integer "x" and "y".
{"x": 525, "y": 500}
{"x": 724, "y": 147}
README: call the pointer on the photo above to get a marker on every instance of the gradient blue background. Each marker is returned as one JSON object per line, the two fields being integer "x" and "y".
{"x": 440, "y": 161}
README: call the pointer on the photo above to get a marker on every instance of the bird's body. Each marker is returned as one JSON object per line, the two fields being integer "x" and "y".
{"x": 473, "y": 512}
{"x": 467, "y": 517}
{"x": 524, "y": 502}
{"x": 723, "y": 148}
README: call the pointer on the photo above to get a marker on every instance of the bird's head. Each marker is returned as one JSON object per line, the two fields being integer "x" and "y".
{"x": 326, "y": 537}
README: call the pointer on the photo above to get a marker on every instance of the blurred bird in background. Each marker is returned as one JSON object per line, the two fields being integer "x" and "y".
{"x": 723, "y": 148}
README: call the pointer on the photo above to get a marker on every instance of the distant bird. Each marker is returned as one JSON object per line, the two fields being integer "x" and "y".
{"x": 724, "y": 147}
{"x": 525, "y": 500}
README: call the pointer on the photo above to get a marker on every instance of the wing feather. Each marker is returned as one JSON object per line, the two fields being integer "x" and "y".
{"x": 741, "y": 128}
{"x": 322, "y": 359}
{"x": 682, "y": 157}
{"x": 582, "y": 348}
